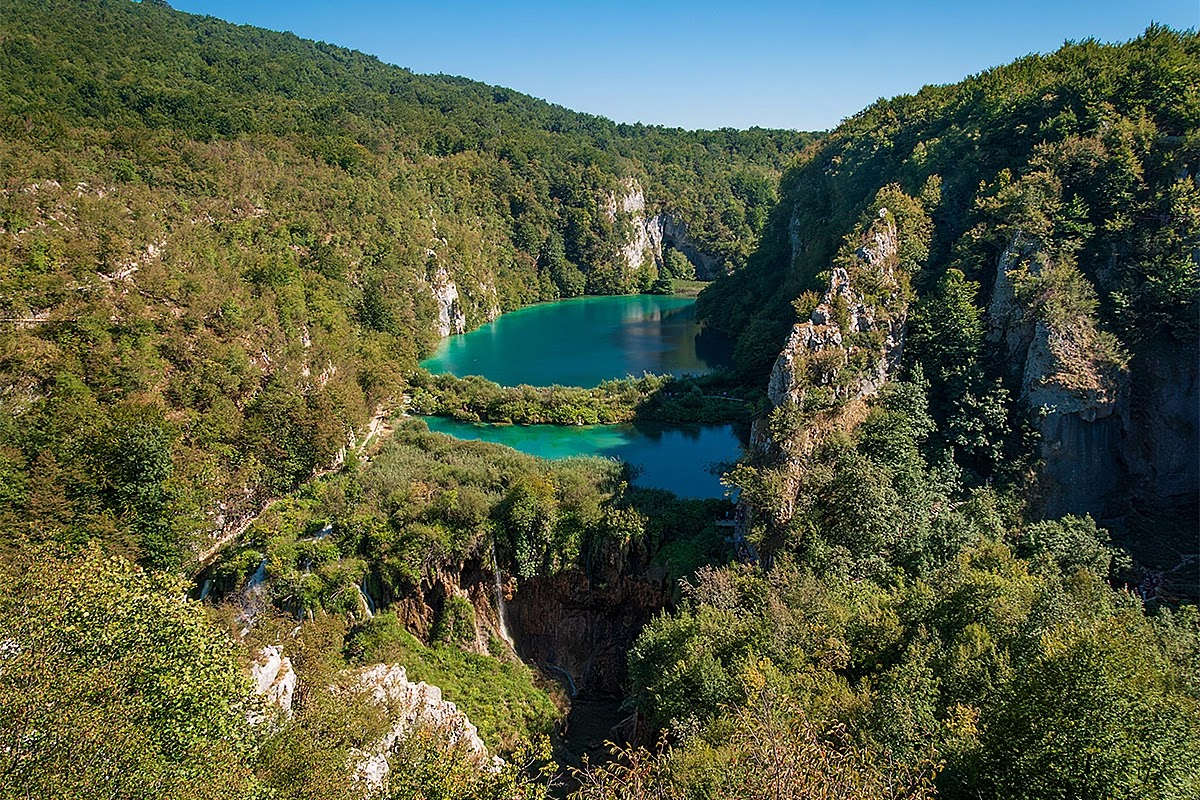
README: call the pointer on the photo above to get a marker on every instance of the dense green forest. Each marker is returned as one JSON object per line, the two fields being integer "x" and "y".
{"x": 223, "y": 246}
{"x": 976, "y": 311}
{"x": 966, "y": 325}
{"x": 1047, "y": 215}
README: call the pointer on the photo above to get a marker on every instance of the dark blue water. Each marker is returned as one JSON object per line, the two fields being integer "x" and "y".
{"x": 685, "y": 460}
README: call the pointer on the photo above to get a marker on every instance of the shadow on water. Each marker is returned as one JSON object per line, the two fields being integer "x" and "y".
{"x": 714, "y": 347}
{"x": 592, "y": 722}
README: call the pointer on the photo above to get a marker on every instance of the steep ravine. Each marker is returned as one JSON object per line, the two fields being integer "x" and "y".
{"x": 573, "y": 628}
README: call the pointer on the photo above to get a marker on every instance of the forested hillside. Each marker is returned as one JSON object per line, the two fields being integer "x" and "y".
{"x": 958, "y": 562}
{"x": 975, "y": 309}
{"x": 1047, "y": 220}
{"x": 223, "y": 248}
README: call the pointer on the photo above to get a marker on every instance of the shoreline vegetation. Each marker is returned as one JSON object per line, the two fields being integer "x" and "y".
{"x": 713, "y": 398}
{"x": 227, "y": 249}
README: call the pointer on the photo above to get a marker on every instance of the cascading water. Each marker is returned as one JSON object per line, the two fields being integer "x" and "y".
{"x": 368, "y": 605}
{"x": 258, "y": 578}
{"x": 253, "y": 597}
{"x": 570, "y": 682}
{"x": 501, "y": 610}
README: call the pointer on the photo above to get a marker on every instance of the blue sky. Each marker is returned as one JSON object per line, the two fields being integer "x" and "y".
{"x": 703, "y": 64}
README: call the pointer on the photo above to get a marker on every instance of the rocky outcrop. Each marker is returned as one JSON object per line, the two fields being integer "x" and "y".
{"x": 649, "y": 235}
{"x": 411, "y": 706}
{"x": 273, "y": 680}
{"x": 818, "y": 350}
{"x": 450, "y": 316}
{"x": 1074, "y": 400}
{"x": 644, "y": 244}
{"x": 565, "y": 625}
{"x": 490, "y": 301}
{"x": 1109, "y": 431}
{"x": 849, "y": 346}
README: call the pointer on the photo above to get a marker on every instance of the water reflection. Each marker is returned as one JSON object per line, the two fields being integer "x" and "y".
{"x": 585, "y": 341}
{"x": 680, "y": 459}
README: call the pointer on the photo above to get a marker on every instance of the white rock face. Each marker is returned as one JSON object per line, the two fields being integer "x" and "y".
{"x": 451, "y": 318}
{"x": 649, "y": 235}
{"x": 274, "y": 679}
{"x": 645, "y": 241}
{"x": 412, "y": 705}
{"x": 409, "y": 705}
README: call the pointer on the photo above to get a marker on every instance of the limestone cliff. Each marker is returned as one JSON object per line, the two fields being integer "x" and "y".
{"x": 575, "y": 628}
{"x": 849, "y": 345}
{"x": 411, "y": 706}
{"x": 450, "y": 316}
{"x": 643, "y": 243}
{"x": 819, "y": 349}
{"x": 420, "y": 606}
{"x": 647, "y": 235}
{"x": 274, "y": 680}
{"x": 1117, "y": 433}
{"x": 1112, "y": 427}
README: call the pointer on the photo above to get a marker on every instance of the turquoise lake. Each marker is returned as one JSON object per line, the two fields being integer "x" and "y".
{"x": 685, "y": 460}
{"x": 583, "y": 342}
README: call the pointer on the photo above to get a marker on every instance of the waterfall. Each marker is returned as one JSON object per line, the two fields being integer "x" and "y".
{"x": 501, "y": 611}
{"x": 206, "y": 588}
{"x": 571, "y": 690}
{"x": 253, "y": 597}
{"x": 258, "y": 578}
{"x": 367, "y": 603}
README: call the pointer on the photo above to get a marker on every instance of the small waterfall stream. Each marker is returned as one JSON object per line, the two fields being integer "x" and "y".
{"x": 364, "y": 598}
{"x": 253, "y": 597}
{"x": 257, "y": 579}
{"x": 501, "y": 609}
{"x": 570, "y": 682}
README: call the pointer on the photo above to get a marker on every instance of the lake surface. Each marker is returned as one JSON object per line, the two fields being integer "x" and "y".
{"x": 585, "y": 341}
{"x": 680, "y": 459}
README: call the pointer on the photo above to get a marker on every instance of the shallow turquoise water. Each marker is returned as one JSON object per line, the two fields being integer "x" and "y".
{"x": 680, "y": 459}
{"x": 585, "y": 341}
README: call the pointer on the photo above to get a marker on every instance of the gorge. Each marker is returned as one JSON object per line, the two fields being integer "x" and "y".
{"x": 902, "y": 504}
